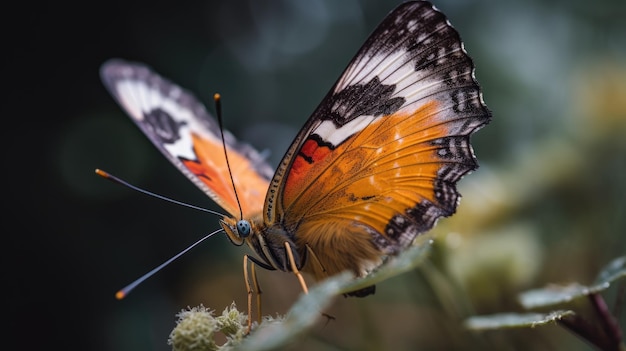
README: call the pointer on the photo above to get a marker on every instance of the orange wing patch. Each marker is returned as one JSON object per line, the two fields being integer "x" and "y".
{"x": 392, "y": 151}
{"x": 211, "y": 168}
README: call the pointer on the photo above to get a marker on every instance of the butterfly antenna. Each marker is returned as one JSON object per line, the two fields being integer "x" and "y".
{"x": 218, "y": 110}
{"x": 117, "y": 180}
{"x": 122, "y": 293}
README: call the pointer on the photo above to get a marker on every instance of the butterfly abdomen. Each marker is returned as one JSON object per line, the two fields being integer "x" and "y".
{"x": 338, "y": 245}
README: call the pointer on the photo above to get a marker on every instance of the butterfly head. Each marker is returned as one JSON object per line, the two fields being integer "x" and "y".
{"x": 236, "y": 230}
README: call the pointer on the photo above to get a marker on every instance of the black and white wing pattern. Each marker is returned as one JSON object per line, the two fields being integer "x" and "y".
{"x": 182, "y": 129}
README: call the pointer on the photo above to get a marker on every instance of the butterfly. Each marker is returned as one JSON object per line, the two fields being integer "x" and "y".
{"x": 373, "y": 167}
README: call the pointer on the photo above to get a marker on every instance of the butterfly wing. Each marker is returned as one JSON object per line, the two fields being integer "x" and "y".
{"x": 181, "y": 128}
{"x": 377, "y": 162}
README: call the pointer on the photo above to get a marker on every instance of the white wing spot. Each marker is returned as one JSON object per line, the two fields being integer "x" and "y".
{"x": 330, "y": 133}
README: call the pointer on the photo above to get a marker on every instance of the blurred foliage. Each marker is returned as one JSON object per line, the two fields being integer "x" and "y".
{"x": 580, "y": 309}
{"x": 546, "y": 205}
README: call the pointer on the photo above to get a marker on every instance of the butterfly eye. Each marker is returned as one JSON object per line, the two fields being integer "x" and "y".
{"x": 243, "y": 228}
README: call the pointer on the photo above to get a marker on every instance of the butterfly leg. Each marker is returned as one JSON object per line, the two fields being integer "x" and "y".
{"x": 294, "y": 268}
{"x": 249, "y": 288}
{"x": 257, "y": 288}
{"x": 253, "y": 287}
{"x": 315, "y": 258}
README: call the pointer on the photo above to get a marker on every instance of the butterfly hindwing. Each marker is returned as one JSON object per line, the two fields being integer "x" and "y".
{"x": 377, "y": 162}
{"x": 181, "y": 128}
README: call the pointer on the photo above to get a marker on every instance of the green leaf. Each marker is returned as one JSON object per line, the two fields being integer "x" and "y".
{"x": 515, "y": 320}
{"x": 554, "y": 294}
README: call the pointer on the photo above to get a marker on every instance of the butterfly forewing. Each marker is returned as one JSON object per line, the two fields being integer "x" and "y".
{"x": 377, "y": 162}
{"x": 181, "y": 128}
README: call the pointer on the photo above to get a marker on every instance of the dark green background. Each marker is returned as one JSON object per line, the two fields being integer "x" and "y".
{"x": 552, "y": 164}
